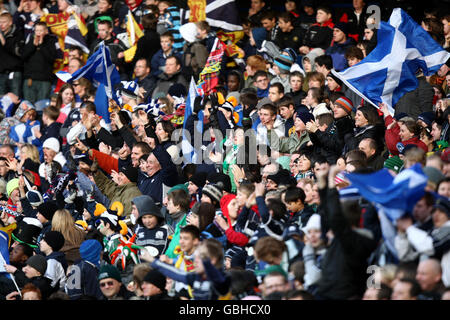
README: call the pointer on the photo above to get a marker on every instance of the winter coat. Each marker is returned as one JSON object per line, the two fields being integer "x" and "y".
{"x": 344, "y": 265}
{"x": 41, "y": 282}
{"x": 82, "y": 280}
{"x": 124, "y": 193}
{"x": 56, "y": 269}
{"x": 165, "y": 82}
{"x": 417, "y": 101}
{"x": 156, "y": 237}
{"x": 392, "y": 138}
{"x": 38, "y": 60}
{"x": 11, "y": 52}
{"x": 337, "y": 53}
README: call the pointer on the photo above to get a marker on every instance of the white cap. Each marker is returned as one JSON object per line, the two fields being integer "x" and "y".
{"x": 52, "y": 143}
{"x": 313, "y": 223}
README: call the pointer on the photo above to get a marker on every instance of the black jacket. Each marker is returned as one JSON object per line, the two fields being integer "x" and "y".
{"x": 43, "y": 283}
{"x": 344, "y": 265}
{"x": 38, "y": 60}
{"x": 11, "y": 52}
{"x": 147, "y": 46}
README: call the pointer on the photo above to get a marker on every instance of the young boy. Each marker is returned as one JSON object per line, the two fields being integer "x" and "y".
{"x": 151, "y": 231}
{"x": 188, "y": 243}
{"x": 158, "y": 61}
{"x": 50, "y": 245}
{"x": 209, "y": 281}
{"x": 51, "y": 128}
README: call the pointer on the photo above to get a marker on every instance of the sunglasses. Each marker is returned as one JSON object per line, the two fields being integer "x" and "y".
{"x": 109, "y": 283}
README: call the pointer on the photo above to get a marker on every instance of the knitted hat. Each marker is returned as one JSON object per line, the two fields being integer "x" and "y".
{"x": 34, "y": 198}
{"x": 227, "y": 105}
{"x": 259, "y": 35}
{"x": 156, "y": 278}
{"x": 305, "y": 116}
{"x": 38, "y": 262}
{"x": 181, "y": 186}
{"x": 341, "y": 26}
{"x": 345, "y": 103}
{"x": 27, "y": 231}
{"x": 284, "y": 161}
{"x": 224, "y": 202}
{"x": 443, "y": 205}
{"x": 291, "y": 52}
{"x": 332, "y": 76}
{"x": 282, "y": 177}
{"x": 47, "y": 209}
{"x": 313, "y": 223}
{"x": 177, "y": 90}
{"x": 199, "y": 179}
{"x": 221, "y": 180}
{"x": 109, "y": 271}
{"x": 90, "y": 251}
{"x": 434, "y": 175}
{"x": 213, "y": 191}
{"x": 130, "y": 172}
{"x": 320, "y": 109}
{"x": 54, "y": 239}
{"x": 11, "y": 186}
{"x": 130, "y": 89}
{"x": 188, "y": 31}
{"x": 394, "y": 163}
{"x": 52, "y": 144}
{"x": 284, "y": 62}
{"x": 427, "y": 117}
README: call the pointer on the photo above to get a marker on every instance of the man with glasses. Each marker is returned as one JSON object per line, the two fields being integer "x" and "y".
{"x": 111, "y": 285}
{"x": 262, "y": 84}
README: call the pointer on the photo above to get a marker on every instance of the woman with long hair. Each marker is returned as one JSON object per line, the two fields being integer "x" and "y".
{"x": 65, "y": 101}
{"x": 63, "y": 222}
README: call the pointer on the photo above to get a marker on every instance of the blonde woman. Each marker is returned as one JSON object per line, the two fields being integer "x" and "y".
{"x": 63, "y": 222}
{"x": 29, "y": 156}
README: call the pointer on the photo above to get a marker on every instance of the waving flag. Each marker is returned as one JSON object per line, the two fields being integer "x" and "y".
{"x": 209, "y": 77}
{"x": 100, "y": 70}
{"x": 186, "y": 146}
{"x": 389, "y": 71}
{"x": 134, "y": 33}
{"x": 401, "y": 192}
{"x": 222, "y": 14}
{"x": 76, "y": 30}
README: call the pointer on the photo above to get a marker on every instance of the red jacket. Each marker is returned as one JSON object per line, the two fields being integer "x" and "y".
{"x": 106, "y": 162}
{"x": 392, "y": 138}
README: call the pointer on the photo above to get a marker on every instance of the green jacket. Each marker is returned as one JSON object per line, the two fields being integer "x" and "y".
{"x": 288, "y": 144}
{"x": 124, "y": 193}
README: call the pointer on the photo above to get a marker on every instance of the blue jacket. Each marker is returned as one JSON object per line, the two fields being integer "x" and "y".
{"x": 337, "y": 53}
{"x": 82, "y": 280}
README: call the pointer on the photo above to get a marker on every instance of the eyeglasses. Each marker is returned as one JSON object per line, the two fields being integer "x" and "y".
{"x": 106, "y": 283}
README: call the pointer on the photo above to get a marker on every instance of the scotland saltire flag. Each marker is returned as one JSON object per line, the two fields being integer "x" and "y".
{"x": 186, "y": 147}
{"x": 401, "y": 192}
{"x": 99, "y": 69}
{"x": 389, "y": 71}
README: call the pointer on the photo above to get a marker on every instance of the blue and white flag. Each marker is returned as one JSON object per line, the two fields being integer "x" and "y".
{"x": 98, "y": 69}
{"x": 389, "y": 71}
{"x": 4, "y": 250}
{"x": 186, "y": 147}
{"x": 401, "y": 192}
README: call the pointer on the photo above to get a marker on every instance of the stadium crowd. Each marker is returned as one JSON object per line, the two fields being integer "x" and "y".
{"x": 105, "y": 209}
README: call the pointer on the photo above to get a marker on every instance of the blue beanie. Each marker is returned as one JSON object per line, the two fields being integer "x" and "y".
{"x": 259, "y": 34}
{"x": 284, "y": 62}
{"x": 90, "y": 251}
